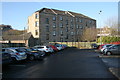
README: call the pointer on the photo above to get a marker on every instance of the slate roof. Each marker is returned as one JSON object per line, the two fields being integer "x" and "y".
{"x": 55, "y": 11}
{"x": 17, "y": 37}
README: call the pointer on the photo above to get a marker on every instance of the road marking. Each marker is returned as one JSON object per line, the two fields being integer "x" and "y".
{"x": 114, "y": 72}
{"x": 18, "y": 65}
{"x": 109, "y": 56}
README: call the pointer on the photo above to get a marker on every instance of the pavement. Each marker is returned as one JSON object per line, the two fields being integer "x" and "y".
{"x": 69, "y": 63}
{"x": 113, "y": 63}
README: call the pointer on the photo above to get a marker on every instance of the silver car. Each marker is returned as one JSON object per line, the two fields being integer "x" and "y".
{"x": 46, "y": 49}
{"x": 15, "y": 54}
{"x": 104, "y": 47}
{"x": 115, "y": 49}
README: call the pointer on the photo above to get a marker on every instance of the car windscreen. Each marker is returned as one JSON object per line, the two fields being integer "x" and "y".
{"x": 40, "y": 47}
{"x": 20, "y": 50}
{"x": 47, "y": 47}
{"x": 108, "y": 45}
{"x": 28, "y": 49}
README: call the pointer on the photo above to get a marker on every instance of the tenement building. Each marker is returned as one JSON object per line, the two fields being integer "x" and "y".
{"x": 51, "y": 25}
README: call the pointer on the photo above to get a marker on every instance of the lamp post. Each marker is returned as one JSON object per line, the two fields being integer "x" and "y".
{"x": 100, "y": 27}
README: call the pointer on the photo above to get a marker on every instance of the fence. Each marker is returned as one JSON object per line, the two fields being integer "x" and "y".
{"x": 5, "y": 45}
{"x": 81, "y": 45}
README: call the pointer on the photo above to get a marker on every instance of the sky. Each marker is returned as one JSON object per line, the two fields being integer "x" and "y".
{"x": 16, "y": 13}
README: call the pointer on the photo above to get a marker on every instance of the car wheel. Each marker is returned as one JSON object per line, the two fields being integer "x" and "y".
{"x": 108, "y": 53}
{"x": 31, "y": 58}
{"x": 14, "y": 60}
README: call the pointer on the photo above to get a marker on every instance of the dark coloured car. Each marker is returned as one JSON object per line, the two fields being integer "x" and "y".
{"x": 6, "y": 58}
{"x": 16, "y": 55}
{"x": 94, "y": 46}
{"x": 32, "y": 54}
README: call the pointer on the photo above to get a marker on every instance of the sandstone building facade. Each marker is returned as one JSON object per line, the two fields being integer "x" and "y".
{"x": 51, "y": 25}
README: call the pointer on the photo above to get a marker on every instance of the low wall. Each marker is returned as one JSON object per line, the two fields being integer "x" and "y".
{"x": 82, "y": 45}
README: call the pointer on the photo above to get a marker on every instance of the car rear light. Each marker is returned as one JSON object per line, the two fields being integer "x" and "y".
{"x": 46, "y": 49}
{"x": 17, "y": 53}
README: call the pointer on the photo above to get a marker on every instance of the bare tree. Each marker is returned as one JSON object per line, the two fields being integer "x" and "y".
{"x": 112, "y": 22}
{"x": 89, "y": 34}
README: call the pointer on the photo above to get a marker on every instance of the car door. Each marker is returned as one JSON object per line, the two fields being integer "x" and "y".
{"x": 114, "y": 50}
{"x": 118, "y": 49}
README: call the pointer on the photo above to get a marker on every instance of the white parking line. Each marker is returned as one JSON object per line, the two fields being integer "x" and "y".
{"x": 110, "y": 56}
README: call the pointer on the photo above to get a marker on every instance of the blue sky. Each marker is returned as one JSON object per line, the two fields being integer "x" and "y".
{"x": 16, "y": 13}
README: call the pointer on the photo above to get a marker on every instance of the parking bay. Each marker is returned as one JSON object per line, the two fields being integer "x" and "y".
{"x": 69, "y": 63}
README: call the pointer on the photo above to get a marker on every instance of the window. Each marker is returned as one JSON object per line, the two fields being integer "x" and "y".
{"x": 77, "y": 20}
{"x": 54, "y": 24}
{"x": 71, "y": 20}
{"x": 81, "y": 27}
{"x": 47, "y": 36}
{"x": 61, "y": 25}
{"x": 54, "y": 18}
{"x": 66, "y": 22}
{"x": 66, "y": 29}
{"x": 61, "y": 33}
{"x": 36, "y": 16}
{"x": 67, "y": 36}
{"x": 47, "y": 20}
{"x": 36, "y": 32}
{"x": 61, "y": 18}
{"x": 47, "y": 28}
{"x": 36, "y": 24}
{"x": 77, "y": 26}
{"x": 72, "y": 33}
{"x": 80, "y": 20}
{"x": 71, "y": 26}
{"x": 77, "y": 32}
{"x": 54, "y": 33}
{"x": 90, "y": 21}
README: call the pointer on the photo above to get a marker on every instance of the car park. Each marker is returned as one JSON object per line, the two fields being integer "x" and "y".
{"x": 16, "y": 55}
{"x": 32, "y": 54}
{"x": 114, "y": 49}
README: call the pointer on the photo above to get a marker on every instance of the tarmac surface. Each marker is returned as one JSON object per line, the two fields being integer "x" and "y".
{"x": 68, "y": 63}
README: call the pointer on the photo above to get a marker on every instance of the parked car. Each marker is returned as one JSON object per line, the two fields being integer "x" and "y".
{"x": 65, "y": 46}
{"x": 54, "y": 48}
{"x": 35, "y": 50}
{"x": 94, "y": 46}
{"x": 114, "y": 49}
{"x": 16, "y": 55}
{"x": 6, "y": 58}
{"x": 59, "y": 47}
{"x": 100, "y": 46}
{"x": 32, "y": 54}
{"x": 45, "y": 49}
{"x": 104, "y": 47}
